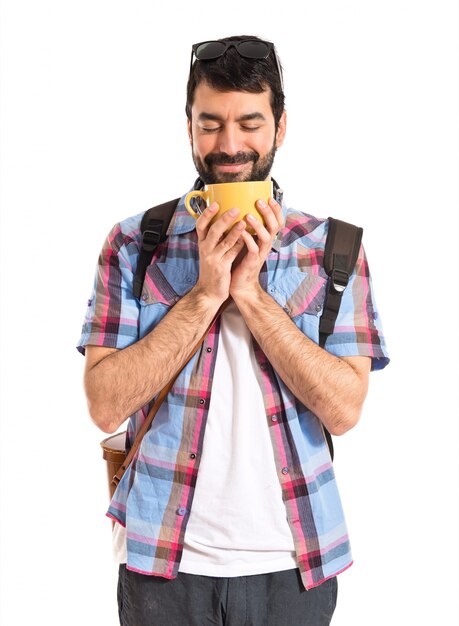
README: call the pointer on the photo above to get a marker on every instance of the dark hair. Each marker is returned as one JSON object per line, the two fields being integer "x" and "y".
{"x": 231, "y": 72}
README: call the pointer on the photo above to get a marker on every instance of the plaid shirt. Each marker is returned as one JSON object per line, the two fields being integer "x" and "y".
{"x": 155, "y": 496}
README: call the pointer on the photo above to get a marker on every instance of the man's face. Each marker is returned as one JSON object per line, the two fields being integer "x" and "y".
{"x": 232, "y": 135}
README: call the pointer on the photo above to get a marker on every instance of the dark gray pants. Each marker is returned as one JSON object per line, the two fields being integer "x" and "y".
{"x": 277, "y": 599}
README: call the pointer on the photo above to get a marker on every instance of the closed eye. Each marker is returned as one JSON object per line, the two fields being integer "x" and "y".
{"x": 215, "y": 129}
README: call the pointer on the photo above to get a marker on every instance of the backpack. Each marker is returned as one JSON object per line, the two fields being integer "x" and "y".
{"x": 340, "y": 255}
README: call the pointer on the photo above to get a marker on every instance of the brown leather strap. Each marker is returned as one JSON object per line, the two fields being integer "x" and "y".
{"x": 159, "y": 400}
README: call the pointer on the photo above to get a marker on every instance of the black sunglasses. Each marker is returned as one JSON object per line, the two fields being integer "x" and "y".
{"x": 251, "y": 49}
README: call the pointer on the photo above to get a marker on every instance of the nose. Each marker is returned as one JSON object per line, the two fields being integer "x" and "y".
{"x": 230, "y": 140}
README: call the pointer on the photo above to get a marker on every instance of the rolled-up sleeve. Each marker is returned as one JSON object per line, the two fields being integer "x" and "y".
{"x": 112, "y": 315}
{"x": 358, "y": 329}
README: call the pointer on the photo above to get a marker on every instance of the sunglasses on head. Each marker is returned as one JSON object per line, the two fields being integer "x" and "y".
{"x": 249, "y": 49}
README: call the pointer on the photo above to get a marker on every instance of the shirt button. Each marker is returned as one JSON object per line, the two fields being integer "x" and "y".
{"x": 285, "y": 470}
{"x": 263, "y": 366}
{"x": 145, "y": 297}
{"x": 209, "y": 349}
{"x": 274, "y": 418}
{"x": 202, "y": 401}
{"x": 192, "y": 455}
{"x": 318, "y": 307}
{"x": 181, "y": 510}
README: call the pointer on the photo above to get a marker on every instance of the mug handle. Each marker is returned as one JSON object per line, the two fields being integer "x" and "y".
{"x": 193, "y": 194}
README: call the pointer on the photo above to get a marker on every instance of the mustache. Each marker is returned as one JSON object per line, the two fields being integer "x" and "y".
{"x": 225, "y": 159}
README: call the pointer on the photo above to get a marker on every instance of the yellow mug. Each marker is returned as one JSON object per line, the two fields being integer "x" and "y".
{"x": 242, "y": 196}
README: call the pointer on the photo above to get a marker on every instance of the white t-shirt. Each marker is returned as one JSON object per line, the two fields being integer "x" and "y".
{"x": 237, "y": 523}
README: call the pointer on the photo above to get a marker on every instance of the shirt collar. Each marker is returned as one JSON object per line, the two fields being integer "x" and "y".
{"x": 182, "y": 222}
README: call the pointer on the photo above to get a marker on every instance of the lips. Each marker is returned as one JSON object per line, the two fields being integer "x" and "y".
{"x": 230, "y": 167}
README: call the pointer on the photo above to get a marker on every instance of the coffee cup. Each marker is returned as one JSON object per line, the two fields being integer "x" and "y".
{"x": 242, "y": 196}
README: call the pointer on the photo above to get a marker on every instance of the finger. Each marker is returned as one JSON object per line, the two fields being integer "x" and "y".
{"x": 233, "y": 252}
{"x": 276, "y": 207}
{"x": 268, "y": 216}
{"x": 231, "y": 238}
{"x": 250, "y": 243}
{"x": 203, "y": 221}
{"x": 263, "y": 235}
{"x": 272, "y": 215}
{"x": 220, "y": 226}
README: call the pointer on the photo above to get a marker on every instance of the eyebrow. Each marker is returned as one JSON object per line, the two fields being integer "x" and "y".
{"x": 212, "y": 117}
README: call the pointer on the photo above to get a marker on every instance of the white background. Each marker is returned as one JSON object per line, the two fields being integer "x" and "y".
{"x": 93, "y": 130}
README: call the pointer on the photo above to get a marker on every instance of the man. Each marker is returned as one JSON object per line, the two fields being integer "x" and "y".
{"x": 231, "y": 509}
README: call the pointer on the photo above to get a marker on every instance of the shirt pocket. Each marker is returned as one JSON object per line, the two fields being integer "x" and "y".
{"x": 301, "y": 295}
{"x": 164, "y": 285}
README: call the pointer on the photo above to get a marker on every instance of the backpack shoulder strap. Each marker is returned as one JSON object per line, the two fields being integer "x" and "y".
{"x": 153, "y": 228}
{"x": 340, "y": 256}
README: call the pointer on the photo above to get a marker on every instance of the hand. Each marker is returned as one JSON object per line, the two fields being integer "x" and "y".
{"x": 217, "y": 251}
{"x": 245, "y": 277}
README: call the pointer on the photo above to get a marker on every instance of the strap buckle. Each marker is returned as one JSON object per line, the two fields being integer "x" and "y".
{"x": 152, "y": 236}
{"x": 340, "y": 280}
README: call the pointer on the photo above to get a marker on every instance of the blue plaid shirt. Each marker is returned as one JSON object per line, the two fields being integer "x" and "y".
{"x": 155, "y": 496}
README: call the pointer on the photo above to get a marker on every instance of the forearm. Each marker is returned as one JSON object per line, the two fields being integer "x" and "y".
{"x": 126, "y": 380}
{"x": 326, "y": 384}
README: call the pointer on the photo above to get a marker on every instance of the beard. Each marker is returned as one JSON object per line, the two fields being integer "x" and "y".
{"x": 261, "y": 166}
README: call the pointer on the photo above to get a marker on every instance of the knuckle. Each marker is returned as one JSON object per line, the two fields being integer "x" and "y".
{"x": 265, "y": 238}
{"x": 227, "y": 242}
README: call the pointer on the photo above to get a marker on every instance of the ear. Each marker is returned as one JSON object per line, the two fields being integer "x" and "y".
{"x": 282, "y": 129}
{"x": 190, "y": 135}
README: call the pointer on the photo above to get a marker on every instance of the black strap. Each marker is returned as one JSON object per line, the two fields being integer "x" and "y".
{"x": 340, "y": 256}
{"x": 153, "y": 227}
